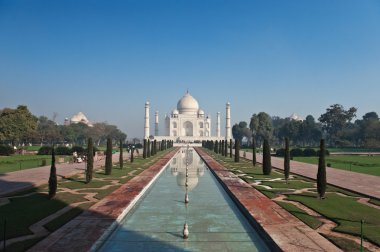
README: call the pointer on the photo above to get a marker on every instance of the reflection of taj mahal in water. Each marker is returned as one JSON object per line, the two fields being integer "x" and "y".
{"x": 195, "y": 167}
{"x": 188, "y": 123}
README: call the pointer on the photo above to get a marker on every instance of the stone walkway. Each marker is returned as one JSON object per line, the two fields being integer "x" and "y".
{"x": 358, "y": 182}
{"x": 13, "y": 182}
{"x": 286, "y": 231}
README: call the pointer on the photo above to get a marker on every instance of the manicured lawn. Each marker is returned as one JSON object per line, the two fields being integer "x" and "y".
{"x": 347, "y": 245}
{"x": 293, "y": 184}
{"x": 311, "y": 221}
{"x": 22, "y": 212}
{"x": 347, "y": 212}
{"x": 363, "y": 164}
{"x": 20, "y": 162}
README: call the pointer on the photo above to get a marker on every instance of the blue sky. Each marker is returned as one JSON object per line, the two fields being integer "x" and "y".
{"x": 105, "y": 58}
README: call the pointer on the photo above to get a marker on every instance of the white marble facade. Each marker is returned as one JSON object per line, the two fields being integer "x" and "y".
{"x": 187, "y": 123}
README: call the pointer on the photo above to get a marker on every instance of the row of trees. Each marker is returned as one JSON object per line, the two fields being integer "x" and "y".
{"x": 21, "y": 126}
{"x": 220, "y": 147}
{"x": 336, "y": 125}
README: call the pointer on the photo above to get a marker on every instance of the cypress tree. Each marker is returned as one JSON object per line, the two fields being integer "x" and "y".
{"x": 152, "y": 149}
{"x": 132, "y": 154}
{"x": 230, "y": 148}
{"x": 237, "y": 150}
{"x": 253, "y": 151}
{"x": 144, "y": 149}
{"x": 225, "y": 148}
{"x": 287, "y": 160}
{"x": 155, "y": 146}
{"x": 52, "y": 177}
{"x": 321, "y": 175}
{"x": 108, "y": 169}
{"x": 148, "y": 149}
{"x": 121, "y": 154}
{"x": 222, "y": 146}
{"x": 267, "y": 166}
{"x": 90, "y": 160}
{"x": 216, "y": 147}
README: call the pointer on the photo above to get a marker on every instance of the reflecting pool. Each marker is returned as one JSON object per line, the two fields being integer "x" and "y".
{"x": 156, "y": 222}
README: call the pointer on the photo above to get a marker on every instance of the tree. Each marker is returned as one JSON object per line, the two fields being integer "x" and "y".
{"x": 90, "y": 160}
{"x": 17, "y": 124}
{"x": 222, "y": 147}
{"x": 152, "y": 149}
{"x": 52, "y": 177}
{"x": 47, "y": 130}
{"x": 261, "y": 126}
{"x": 287, "y": 160}
{"x": 237, "y": 150}
{"x": 267, "y": 166}
{"x": 148, "y": 149}
{"x": 230, "y": 148}
{"x": 335, "y": 119}
{"x": 145, "y": 146}
{"x": 121, "y": 154}
{"x": 108, "y": 164}
{"x": 321, "y": 175}
{"x": 225, "y": 148}
{"x": 132, "y": 154}
{"x": 253, "y": 151}
{"x": 239, "y": 131}
{"x": 216, "y": 147}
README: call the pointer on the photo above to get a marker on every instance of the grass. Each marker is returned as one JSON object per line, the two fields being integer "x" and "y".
{"x": 347, "y": 245}
{"x": 25, "y": 211}
{"x": 66, "y": 217}
{"x": 293, "y": 184}
{"x": 362, "y": 164}
{"x": 21, "y": 162}
{"x": 22, "y": 212}
{"x": 311, "y": 221}
{"x": 346, "y": 212}
{"x": 22, "y": 246}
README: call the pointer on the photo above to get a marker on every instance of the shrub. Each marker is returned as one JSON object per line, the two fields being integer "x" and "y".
{"x": 327, "y": 152}
{"x": 62, "y": 150}
{"x": 280, "y": 152}
{"x": 79, "y": 149}
{"x": 6, "y": 150}
{"x": 309, "y": 152}
{"x": 296, "y": 152}
{"x": 328, "y": 165}
{"x": 45, "y": 150}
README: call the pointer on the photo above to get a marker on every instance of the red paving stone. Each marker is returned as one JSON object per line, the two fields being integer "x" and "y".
{"x": 82, "y": 232}
{"x": 358, "y": 182}
{"x": 288, "y": 232}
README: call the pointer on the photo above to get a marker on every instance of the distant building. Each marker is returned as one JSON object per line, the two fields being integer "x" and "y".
{"x": 78, "y": 118}
{"x": 188, "y": 123}
{"x": 295, "y": 117}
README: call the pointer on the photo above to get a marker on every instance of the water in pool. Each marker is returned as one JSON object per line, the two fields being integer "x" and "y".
{"x": 156, "y": 222}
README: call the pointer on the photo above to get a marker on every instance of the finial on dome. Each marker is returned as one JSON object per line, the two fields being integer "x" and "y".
{"x": 187, "y": 91}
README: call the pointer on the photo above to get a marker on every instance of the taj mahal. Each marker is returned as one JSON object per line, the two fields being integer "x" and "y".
{"x": 188, "y": 123}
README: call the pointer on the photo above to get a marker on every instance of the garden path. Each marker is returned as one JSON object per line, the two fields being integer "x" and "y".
{"x": 13, "y": 182}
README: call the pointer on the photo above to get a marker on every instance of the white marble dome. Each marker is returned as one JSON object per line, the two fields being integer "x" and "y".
{"x": 188, "y": 105}
{"x": 175, "y": 112}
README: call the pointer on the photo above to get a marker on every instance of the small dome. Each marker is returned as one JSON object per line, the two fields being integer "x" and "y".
{"x": 201, "y": 112}
{"x": 295, "y": 117}
{"x": 175, "y": 112}
{"x": 188, "y": 105}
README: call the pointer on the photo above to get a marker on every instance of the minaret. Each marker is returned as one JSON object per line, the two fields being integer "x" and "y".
{"x": 156, "y": 124}
{"x": 228, "y": 121}
{"x": 218, "y": 124}
{"x": 146, "y": 126}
